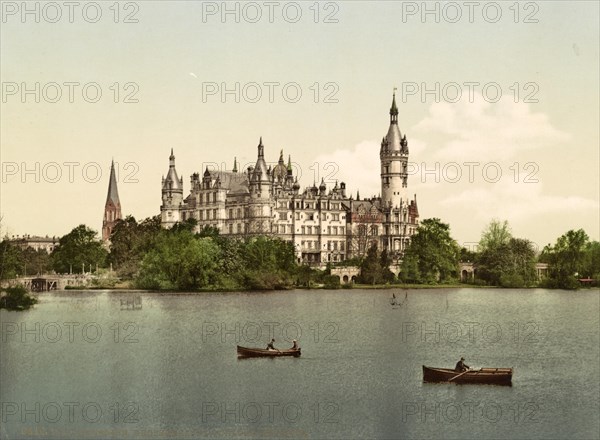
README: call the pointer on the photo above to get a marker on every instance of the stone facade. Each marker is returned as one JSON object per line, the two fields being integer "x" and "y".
{"x": 325, "y": 225}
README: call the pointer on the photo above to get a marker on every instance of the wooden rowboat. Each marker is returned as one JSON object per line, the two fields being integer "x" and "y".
{"x": 497, "y": 376}
{"x": 261, "y": 352}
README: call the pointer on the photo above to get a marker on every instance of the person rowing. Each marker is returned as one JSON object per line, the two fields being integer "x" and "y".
{"x": 271, "y": 346}
{"x": 461, "y": 366}
{"x": 295, "y": 346}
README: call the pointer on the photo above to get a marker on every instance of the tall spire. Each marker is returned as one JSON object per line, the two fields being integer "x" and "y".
{"x": 261, "y": 148}
{"x": 394, "y": 110}
{"x": 289, "y": 165}
{"x": 113, "y": 192}
{"x": 112, "y": 207}
{"x": 235, "y": 170}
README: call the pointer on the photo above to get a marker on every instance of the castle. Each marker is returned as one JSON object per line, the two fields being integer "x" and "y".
{"x": 324, "y": 225}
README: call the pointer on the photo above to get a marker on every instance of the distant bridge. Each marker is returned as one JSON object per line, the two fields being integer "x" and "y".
{"x": 347, "y": 274}
{"x": 45, "y": 283}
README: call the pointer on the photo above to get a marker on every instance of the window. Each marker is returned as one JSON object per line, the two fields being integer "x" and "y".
{"x": 230, "y": 228}
{"x": 341, "y": 230}
{"x": 303, "y": 230}
{"x": 311, "y": 216}
{"x": 329, "y": 230}
{"x": 239, "y": 213}
{"x": 239, "y": 228}
{"x": 336, "y": 217}
{"x": 335, "y": 230}
{"x": 283, "y": 216}
{"x": 362, "y": 230}
{"x": 374, "y": 230}
{"x": 215, "y": 197}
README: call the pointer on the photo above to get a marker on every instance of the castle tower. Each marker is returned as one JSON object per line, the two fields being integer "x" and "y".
{"x": 260, "y": 195}
{"x": 172, "y": 196}
{"x": 112, "y": 207}
{"x": 394, "y": 161}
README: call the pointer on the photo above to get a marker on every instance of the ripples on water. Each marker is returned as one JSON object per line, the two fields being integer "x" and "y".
{"x": 95, "y": 365}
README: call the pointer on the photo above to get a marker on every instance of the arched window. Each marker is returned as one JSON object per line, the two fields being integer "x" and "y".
{"x": 374, "y": 230}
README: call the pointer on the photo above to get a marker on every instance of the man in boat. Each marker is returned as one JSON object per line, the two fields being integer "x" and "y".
{"x": 295, "y": 346}
{"x": 270, "y": 345}
{"x": 461, "y": 366}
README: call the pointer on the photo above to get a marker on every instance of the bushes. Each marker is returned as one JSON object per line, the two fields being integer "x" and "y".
{"x": 17, "y": 298}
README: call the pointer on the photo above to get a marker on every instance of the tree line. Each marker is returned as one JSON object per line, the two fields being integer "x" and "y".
{"x": 152, "y": 257}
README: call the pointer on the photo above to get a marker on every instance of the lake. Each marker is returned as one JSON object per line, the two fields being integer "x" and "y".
{"x": 110, "y": 364}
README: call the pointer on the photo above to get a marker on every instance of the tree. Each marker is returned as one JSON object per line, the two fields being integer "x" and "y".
{"x": 567, "y": 259}
{"x": 17, "y": 298}
{"x": 592, "y": 261}
{"x": 78, "y": 248}
{"x": 374, "y": 268}
{"x": 269, "y": 263}
{"x": 180, "y": 261}
{"x": 510, "y": 264}
{"x": 496, "y": 234}
{"x": 130, "y": 241}
{"x": 11, "y": 260}
{"x": 36, "y": 261}
{"x": 503, "y": 260}
{"x": 432, "y": 255}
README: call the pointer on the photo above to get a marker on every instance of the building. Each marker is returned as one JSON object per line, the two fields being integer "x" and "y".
{"x": 325, "y": 225}
{"x": 112, "y": 207}
{"x": 36, "y": 243}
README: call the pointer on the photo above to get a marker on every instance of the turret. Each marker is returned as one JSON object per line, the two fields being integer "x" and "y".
{"x": 172, "y": 195}
{"x": 260, "y": 178}
{"x": 394, "y": 158}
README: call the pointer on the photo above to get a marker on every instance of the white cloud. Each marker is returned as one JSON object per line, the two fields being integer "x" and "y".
{"x": 482, "y": 130}
{"x": 359, "y": 167}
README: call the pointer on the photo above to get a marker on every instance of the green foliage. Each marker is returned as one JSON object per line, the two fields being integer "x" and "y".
{"x": 11, "y": 260}
{"x": 130, "y": 241}
{"x": 269, "y": 263}
{"x": 182, "y": 260}
{"x": 467, "y": 256}
{"x": 572, "y": 257}
{"x": 508, "y": 264}
{"x": 36, "y": 261}
{"x": 496, "y": 234}
{"x": 331, "y": 282}
{"x": 374, "y": 268}
{"x": 17, "y": 298}
{"x": 77, "y": 248}
{"x": 432, "y": 255}
{"x": 179, "y": 261}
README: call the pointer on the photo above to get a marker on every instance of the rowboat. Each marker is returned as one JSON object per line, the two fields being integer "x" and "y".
{"x": 261, "y": 352}
{"x": 497, "y": 376}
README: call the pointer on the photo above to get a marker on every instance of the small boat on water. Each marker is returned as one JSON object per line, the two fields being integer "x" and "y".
{"x": 497, "y": 376}
{"x": 261, "y": 352}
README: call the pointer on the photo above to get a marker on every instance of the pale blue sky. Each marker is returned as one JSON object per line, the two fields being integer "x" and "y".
{"x": 170, "y": 52}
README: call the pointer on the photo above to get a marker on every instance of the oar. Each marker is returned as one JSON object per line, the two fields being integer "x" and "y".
{"x": 458, "y": 375}
{"x": 470, "y": 370}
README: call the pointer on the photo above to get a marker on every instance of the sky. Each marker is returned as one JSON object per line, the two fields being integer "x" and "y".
{"x": 499, "y": 102}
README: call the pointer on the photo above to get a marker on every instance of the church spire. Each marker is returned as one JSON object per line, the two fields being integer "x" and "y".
{"x": 235, "y": 170}
{"x": 113, "y": 192}
{"x": 112, "y": 207}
